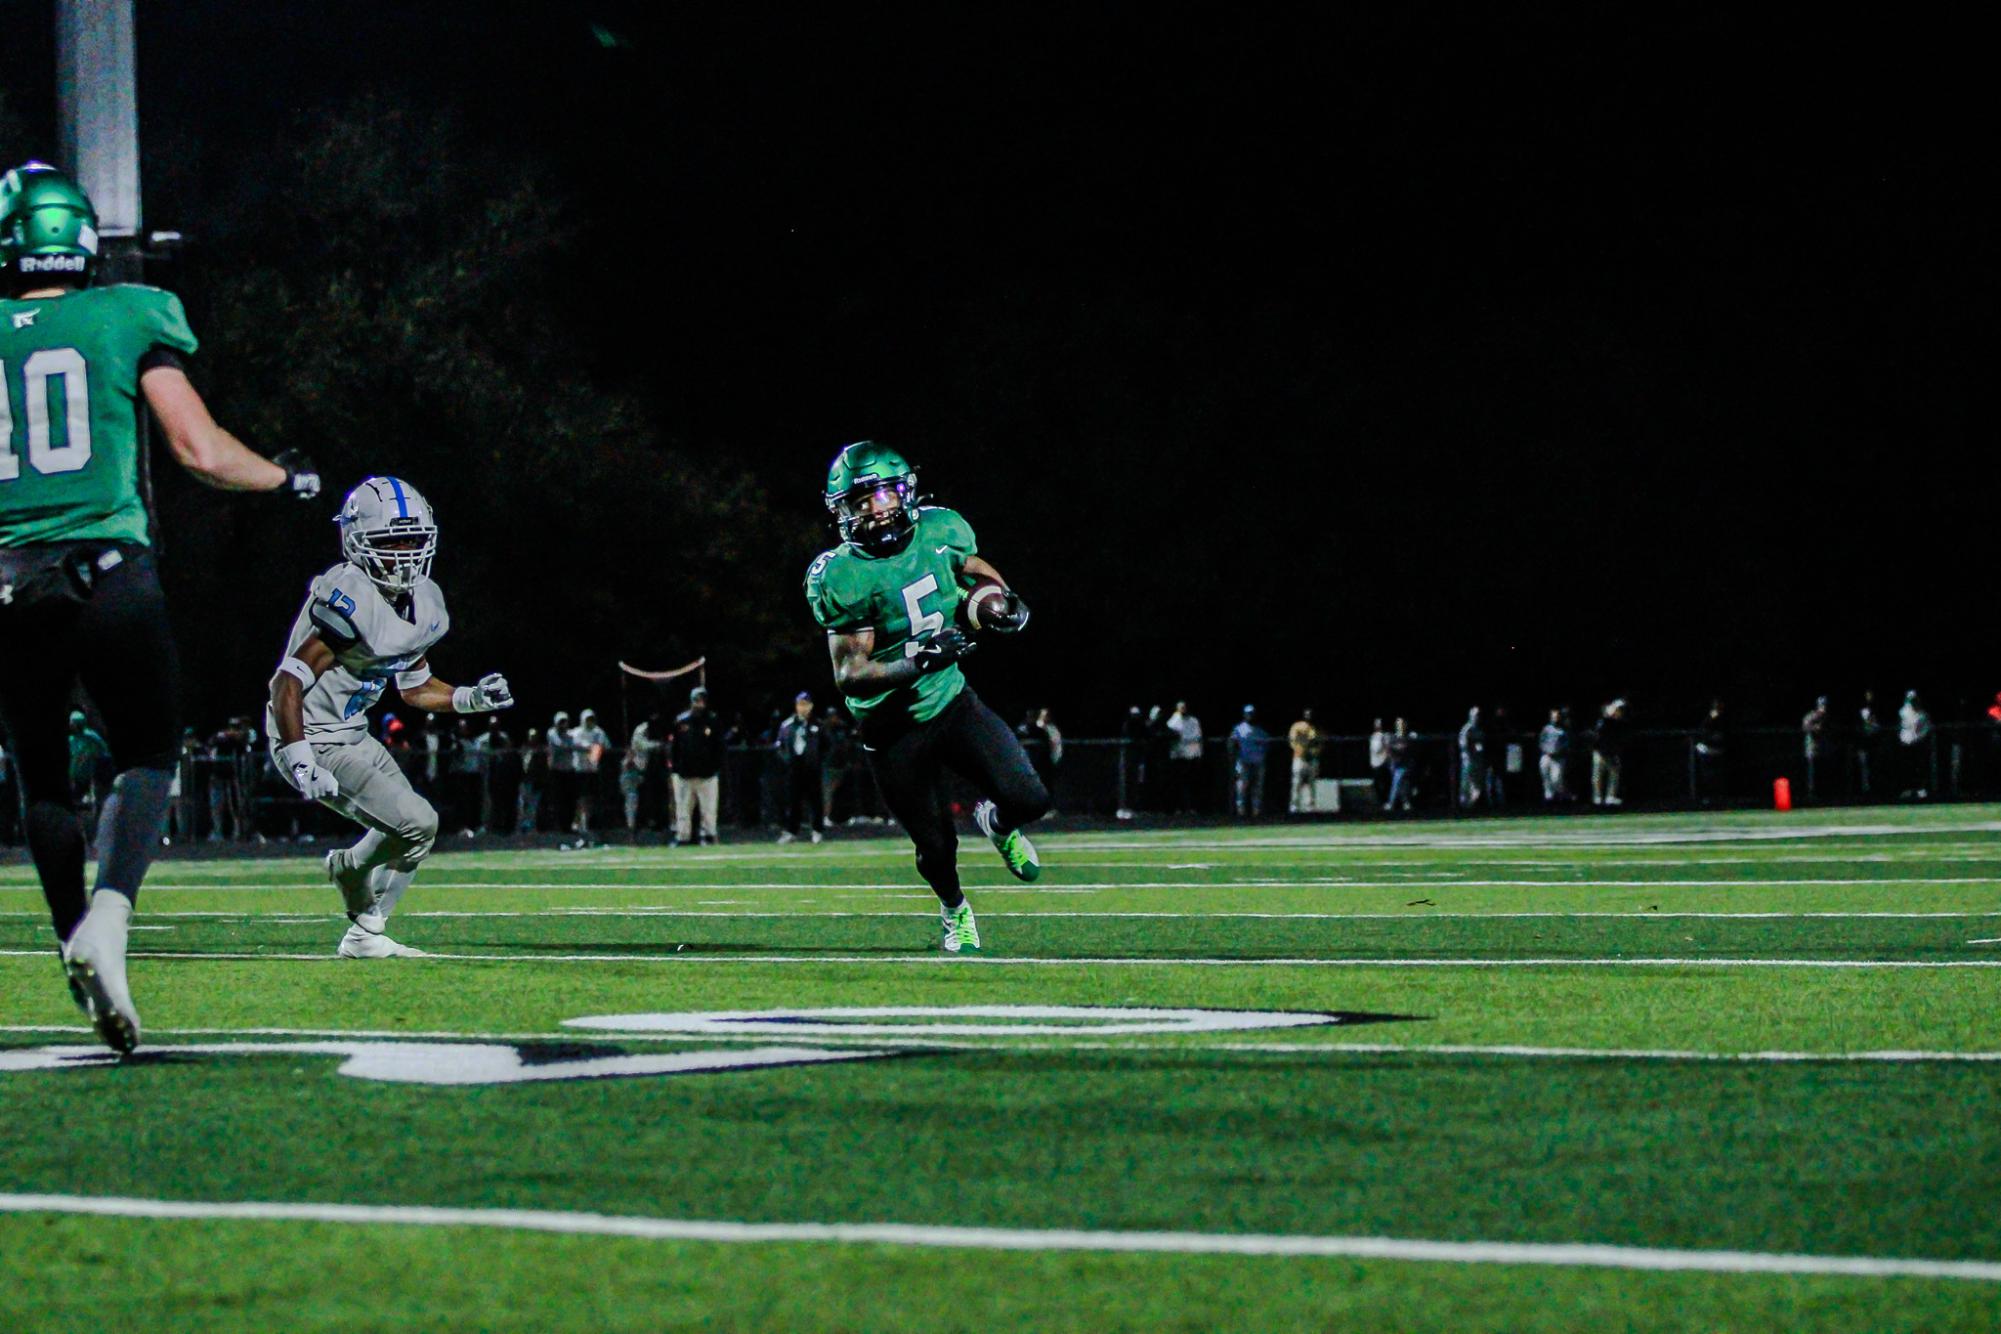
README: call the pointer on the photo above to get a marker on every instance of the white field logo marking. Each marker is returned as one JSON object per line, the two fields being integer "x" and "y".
{"x": 952, "y": 1021}
{"x": 449, "y": 1063}
{"x": 481, "y": 1063}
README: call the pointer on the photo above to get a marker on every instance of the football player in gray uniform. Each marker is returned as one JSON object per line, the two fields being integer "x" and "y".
{"x": 369, "y": 621}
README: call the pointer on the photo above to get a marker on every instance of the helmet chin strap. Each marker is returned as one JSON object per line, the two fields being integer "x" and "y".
{"x": 893, "y": 538}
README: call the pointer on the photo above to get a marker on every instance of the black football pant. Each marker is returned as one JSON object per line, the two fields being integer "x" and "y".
{"x": 968, "y": 739}
{"x": 107, "y": 631}
{"x": 802, "y": 790}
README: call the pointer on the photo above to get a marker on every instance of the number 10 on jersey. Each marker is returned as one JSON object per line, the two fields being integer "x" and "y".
{"x": 66, "y": 364}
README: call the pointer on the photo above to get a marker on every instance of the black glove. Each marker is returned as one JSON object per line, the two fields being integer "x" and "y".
{"x": 302, "y": 479}
{"x": 941, "y": 650}
{"x": 1004, "y": 615}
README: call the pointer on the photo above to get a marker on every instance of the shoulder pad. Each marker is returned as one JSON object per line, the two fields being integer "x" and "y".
{"x": 333, "y": 617}
{"x": 947, "y": 527}
{"x": 164, "y": 319}
{"x": 336, "y": 611}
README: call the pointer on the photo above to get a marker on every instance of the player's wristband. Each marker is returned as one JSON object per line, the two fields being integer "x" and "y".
{"x": 294, "y": 754}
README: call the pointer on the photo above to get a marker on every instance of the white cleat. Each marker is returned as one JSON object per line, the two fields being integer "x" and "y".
{"x": 94, "y": 959}
{"x": 363, "y": 944}
{"x": 352, "y": 884}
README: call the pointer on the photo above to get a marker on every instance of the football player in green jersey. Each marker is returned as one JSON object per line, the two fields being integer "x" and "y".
{"x": 901, "y": 599}
{"x": 80, "y": 600}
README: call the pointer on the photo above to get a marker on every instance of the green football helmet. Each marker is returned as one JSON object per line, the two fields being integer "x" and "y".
{"x": 48, "y": 228}
{"x": 872, "y": 494}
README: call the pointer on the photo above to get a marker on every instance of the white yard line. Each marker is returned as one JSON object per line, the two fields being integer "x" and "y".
{"x": 938, "y": 960}
{"x": 904, "y": 914}
{"x": 932, "y": 1236}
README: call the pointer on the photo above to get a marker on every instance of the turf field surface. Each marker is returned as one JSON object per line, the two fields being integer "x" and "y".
{"x": 1733, "y": 1072}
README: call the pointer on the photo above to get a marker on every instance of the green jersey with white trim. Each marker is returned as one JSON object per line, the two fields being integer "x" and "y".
{"x": 69, "y": 410}
{"x": 904, "y": 598}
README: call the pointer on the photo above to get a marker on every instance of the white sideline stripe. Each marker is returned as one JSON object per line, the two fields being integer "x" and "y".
{"x": 1140, "y": 1044}
{"x": 1433, "y": 881}
{"x": 931, "y": 1236}
{"x": 290, "y": 918}
{"x": 991, "y": 960}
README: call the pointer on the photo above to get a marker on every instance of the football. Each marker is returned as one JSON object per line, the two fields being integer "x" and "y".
{"x": 982, "y": 595}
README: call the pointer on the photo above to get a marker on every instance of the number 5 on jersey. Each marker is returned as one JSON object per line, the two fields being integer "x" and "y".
{"x": 923, "y": 624}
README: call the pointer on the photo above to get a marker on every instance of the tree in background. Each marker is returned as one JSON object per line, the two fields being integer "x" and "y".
{"x": 398, "y": 299}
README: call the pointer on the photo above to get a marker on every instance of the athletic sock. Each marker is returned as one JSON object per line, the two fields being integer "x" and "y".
{"x": 129, "y": 827}
{"x": 388, "y": 884}
{"x": 366, "y": 854}
{"x": 55, "y": 840}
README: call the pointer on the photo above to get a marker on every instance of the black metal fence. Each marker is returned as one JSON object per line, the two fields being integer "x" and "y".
{"x": 508, "y": 790}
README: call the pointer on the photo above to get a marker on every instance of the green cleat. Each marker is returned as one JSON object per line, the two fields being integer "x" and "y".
{"x": 1013, "y": 846}
{"x": 962, "y": 933}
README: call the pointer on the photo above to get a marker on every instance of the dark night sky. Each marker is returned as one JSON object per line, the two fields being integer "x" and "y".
{"x": 1381, "y": 363}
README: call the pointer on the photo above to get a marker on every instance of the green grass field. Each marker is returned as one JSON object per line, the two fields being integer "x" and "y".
{"x": 1733, "y": 1072}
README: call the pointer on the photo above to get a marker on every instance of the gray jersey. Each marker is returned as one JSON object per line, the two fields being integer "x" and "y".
{"x": 373, "y": 644}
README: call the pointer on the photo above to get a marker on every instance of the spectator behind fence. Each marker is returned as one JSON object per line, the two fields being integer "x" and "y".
{"x": 1868, "y": 742}
{"x": 588, "y": 743}
{"x": 1608, "y": 755}
{"x": 500, "y": 778}
{"x": 1813, "y": 742}
{"x": 1504, "y": 757}
{"x": 1914, "y": 733}
{"x": 697, "y": 757}
{"x": 466, "y": 765}
{"x": 1710, "y": 742}
{"x": 228, "y": 798}
{"x": 1401, "y": 750}
{"x": 633, "y": 769}
{"x": 1553, "y": 748}
{"x": 88, "y": 760}
{"x": 1304, "y": 739}
{"x": 1472, "y": 760}
{"x": 1132, "y": 762}
{"x": 837, "y": 761}
{"x": 1160, "y": 771}
{"x": 559, "y": 778}
{"x": 1248, "y": 743}
{"x": 432, "y": 767}
{"x": 801, "y": 756}
{"x": 1992, "y": 727}
{"x": 1055, "y": 737}
{"x": 1379, "y": 762}
{"x": 1042, "y": 745}
{"x": 534, "y": 779}
{"x": 184, "y": 798}
{"x": 1186, "y": 756}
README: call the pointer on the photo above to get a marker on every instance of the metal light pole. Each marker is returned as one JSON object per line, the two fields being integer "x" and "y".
{"x": 97, "y": 105}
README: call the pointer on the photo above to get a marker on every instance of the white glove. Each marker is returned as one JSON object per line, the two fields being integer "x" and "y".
{"x": 490, "y": 694}
{"x": 296, "y": 763}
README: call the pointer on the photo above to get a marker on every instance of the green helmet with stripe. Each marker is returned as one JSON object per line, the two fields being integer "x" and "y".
{"x": 48, "y": 228}
{"x": 872, "y": 494}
